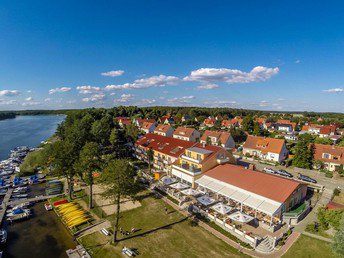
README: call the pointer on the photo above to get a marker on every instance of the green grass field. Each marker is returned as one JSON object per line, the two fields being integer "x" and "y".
{"x": 160, "y": 235}
{"x": 307, "y": 246}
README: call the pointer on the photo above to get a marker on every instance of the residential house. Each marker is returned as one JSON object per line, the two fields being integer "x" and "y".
{"x": 288, "y": 128}
{"x": 187, "y": 134}
{"x": 270, "y": 149}
{"x": 331, "y": 156}
{"x": 263, "y": 196}
{"x": 166, "y": 150}
{"x": 139, "y": 121}
{"x": 164, "y": 130}
{"x": 197, "y": 160}
{"x": 186, "y": 118}
{"x": 122, "y": 121}
{"x": 217, "y": 138}
{"x": 169, "y": 120}
{"x": 230, "y": 123}
{"x": 209, "y": 122}
{"x": 321, "y": 130}
{"x": 148, "y": 127}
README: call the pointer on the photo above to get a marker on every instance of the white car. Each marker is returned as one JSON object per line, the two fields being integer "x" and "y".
{"x": 269, "y": 170}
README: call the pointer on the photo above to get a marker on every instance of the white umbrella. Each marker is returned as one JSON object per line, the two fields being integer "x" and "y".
{"x": 221, "y": 208}
{"x": 179, "y": 186}
{"x": 166, "y": 180}
{"x": 205, "y": 200}
{"x": 240, "y": 217}
{"x": 191, "y": 192}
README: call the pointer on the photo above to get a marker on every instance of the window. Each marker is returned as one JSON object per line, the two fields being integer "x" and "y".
{"x": 326, "y": 156}
{"x": 189, "y": 154}
{"x": 199, "y": 157}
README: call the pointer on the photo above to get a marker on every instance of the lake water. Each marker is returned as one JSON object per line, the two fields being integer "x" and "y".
{"x": 26, "y": 131}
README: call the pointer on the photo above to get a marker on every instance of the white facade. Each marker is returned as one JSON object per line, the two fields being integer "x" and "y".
{"x": 192, "y": 138}
{"x": 270, "y": 156}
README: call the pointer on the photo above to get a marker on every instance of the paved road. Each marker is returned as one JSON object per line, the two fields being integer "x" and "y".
{"x": 329, "y": 183}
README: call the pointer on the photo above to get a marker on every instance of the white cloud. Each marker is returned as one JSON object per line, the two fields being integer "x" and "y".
{"x": 264, "y": 103}
{"x": 29, "y": 99}
{"x": 58, "y": 90}
{"x": 297, "y": 61}
{"x": 47, "y": 99}
{"x": 281, "y": 99}
{"x": 95, "y": 98}
{"x": 9, "y": 93}
{"x": 208, "y": 86}
{"x": 88, "y": 89}
{"x": 7, "y": 102}
{"x": 125, "y": 98}
{"x": 181, "y": 100}
{"x": 113, "y": 73}
{"x": 144, "y": 102}
{"x": 335, "y": 90}
{"x": 112, "y": 93}
{"x": 30, "y": 103}
{"x": 231, "y": 76}
{"x": 154, "y": 81}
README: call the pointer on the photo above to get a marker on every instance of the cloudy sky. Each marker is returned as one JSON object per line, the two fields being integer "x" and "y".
{"x": 268, "y": 55}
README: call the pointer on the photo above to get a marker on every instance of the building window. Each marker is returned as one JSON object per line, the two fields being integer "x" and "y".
{"x": 199, "y": 157}
{"x": 326, "y": 156}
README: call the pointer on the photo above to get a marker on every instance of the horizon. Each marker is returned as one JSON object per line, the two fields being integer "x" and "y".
{"x": 196, "y": 54}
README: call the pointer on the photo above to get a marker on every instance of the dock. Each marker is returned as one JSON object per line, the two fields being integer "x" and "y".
{"x": 4, "y": 204}
{"x": 33, "y": 199}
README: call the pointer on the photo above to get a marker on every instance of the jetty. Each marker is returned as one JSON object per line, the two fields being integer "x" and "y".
{"x": 5, "y": 203}
{"x": 33, "y": 199}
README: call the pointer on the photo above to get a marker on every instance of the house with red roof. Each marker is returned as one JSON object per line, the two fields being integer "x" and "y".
{"x": 209, "y": 122}
{"x": 148, "y": 127}
{"x": 122, "y": 121}
{"x": 186, "y": 134}
{"x": 263, "y": 196}
{"x": 230, "y": 123}
{"x": 197, "y": 160}
{"x": 331, "y": 156}
{"x": 218, "y": 138}
{"x": 164, "y": 130}
{"x": 265, "y": 148}
{"x": 166, "y": 150}
{"x": 139, "y": 121}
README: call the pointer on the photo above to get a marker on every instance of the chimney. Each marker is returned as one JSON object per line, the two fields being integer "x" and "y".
{"x": 203, "y": 144}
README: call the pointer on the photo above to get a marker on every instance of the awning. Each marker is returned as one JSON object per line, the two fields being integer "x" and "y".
{"x": 269, "y": 208}
{"x": 239, "y": 196}
{"x": 191, "y": 192}
{"x": 240, "y": 217}
{"x": 253, "y": 202}
{"x": 221, "y": 208}
{"x": 226, "y": 191}
{"x": 203, "y": 181}
{"x": 179, "y": 186}
{"x": 205, "y": 200}
{"x": 214, "y": 186}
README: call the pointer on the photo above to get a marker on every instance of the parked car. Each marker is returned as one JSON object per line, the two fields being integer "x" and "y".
{"x": 282, "y": 172}
{"x": 269, "y": 170}
{"x": 307, "y": 179}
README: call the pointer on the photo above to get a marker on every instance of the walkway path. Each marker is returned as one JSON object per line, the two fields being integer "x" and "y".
{"x": 5, "y": 203}
{"x": 96, "y": 228}
{"x": 318, "y": 237}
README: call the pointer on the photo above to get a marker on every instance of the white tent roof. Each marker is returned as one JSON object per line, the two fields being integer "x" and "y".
{"x": 203, "y": 181}
{"x": 214, "y": 186}
{"x": 268, "y": 208}
{"x": 226, "y": 191}
{"x": 179, "y": 186}
{"x": 205, "y": 200}
{"x": 166, "y": 180}
{"x": 253, "y": 202}
{"x": 191, "y": 192}
{"x": 221, "y": 208}
{"x": 239, "y": 196}
{"x": 240, "y": 217}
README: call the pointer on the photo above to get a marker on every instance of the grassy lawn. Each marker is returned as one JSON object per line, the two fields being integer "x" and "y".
{"x": 339, "y": 199}
{"x": 160, "y": 235}
{"x": 307, "y": 246}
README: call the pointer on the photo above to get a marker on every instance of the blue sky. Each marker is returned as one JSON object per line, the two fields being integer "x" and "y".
{"x": 268, "y": 55}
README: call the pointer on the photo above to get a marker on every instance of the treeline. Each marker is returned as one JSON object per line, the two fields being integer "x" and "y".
{"x": 7, "y": 115}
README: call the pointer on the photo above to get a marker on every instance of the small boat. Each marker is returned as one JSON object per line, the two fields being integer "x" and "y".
{"x": 19, "y": 211}
{"x": 48, "y": 206}
{"x": 3, "y": 236}
{"x": 20, "y": 195}
{"x": 18, "y": 217}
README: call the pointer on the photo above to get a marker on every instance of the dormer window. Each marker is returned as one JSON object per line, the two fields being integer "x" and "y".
{"x": 326, "y": 156}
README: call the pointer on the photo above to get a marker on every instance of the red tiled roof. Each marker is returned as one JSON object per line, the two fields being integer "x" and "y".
{"x": 184, "y": 131}
{"x": 272, "y": 187}
{"x": 221, "y": 136}
{"x": 319, "y": 149}
{"x": 334, "y": 206}
{"x": 167, "y": 145}
{"x": 214, "y": 149}
{"x": 209, "y": 121}
{"x": 271, "y": 144}
{"x": 146, "y": 125}
{"x": 162, "y": 128}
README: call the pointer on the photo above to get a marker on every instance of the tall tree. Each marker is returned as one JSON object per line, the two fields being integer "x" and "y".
{"x": 88, "y": 163}
{"x": 119, "y": 181}
{"x": 303, "y": 152}
{"x": 247, "y": 124}
{"x": 338, "y": 243}
{"x": 150, "y": 156}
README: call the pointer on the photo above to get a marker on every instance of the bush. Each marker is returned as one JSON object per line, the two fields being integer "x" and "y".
{"x": 336, "y": 192}
{"x": 248, "y": 155}
{"x": 328, "y": 174}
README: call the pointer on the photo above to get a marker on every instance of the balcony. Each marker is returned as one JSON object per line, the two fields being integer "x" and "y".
{"x": 191, "y": 159}
{"x": 187, "y": 169}
{"x": 222, "y": 160}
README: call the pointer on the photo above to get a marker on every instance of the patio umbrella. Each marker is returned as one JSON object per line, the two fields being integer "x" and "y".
{"x": 191, "y": 192}
{"x": 205, "y": 200}
{"x": 221, "y": 208}
{"x": 179, "y": 186}
{"x": 240, "y": 217}
{"x": 166, "y": 180}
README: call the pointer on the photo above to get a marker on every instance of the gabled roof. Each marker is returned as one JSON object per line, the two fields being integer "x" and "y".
{"x": 163, "y": 144}
{"x": 146, "y": 125}
{"x": 162, "y": 128}
{"x": 264, "y": 144}
{"x": 209, "y": 121}
{"x": 212, "y": 150}
{"x": 269, "y": 186}
{"x": 140, "y": 121}
{"x": 319, "y": 149}
{"x": 184, "y": 131}
{"x": 220, "y": 136}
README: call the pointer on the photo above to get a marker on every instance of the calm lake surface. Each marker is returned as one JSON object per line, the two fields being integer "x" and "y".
{"x": 26, "y": 131}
